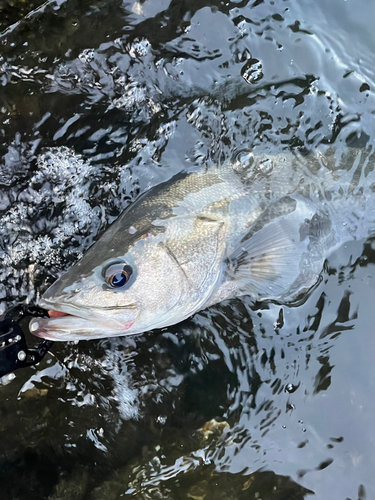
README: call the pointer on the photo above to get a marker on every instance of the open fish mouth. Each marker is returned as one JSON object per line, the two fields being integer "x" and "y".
{"x": 68, "y": 323}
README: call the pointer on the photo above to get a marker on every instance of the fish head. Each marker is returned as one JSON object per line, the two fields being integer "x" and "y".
{"x": 158, "y": 281}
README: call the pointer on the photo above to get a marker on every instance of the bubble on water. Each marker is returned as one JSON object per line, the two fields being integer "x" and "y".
{"x": 290, "y": 388}
{"x": 139, "y": 48}
{"x": 61, "y": 165}
{"x": 53, "y": 202}
{"x": 87, "y": 56}
{"x": 161, "y": 419}
{"x": 243, "y": 159}
{"x": 79, "y": 209}
{"x": 251, "y": 72}
{"x": 264, "y": 165}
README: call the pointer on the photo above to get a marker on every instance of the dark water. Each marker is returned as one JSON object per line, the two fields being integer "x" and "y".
{"x": 235, "y": 403}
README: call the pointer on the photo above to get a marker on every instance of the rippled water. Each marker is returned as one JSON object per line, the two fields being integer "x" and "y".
{"x": 100, "y": 100}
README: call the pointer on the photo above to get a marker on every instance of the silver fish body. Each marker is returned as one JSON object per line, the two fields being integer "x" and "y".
{"x": 262, "y": 228}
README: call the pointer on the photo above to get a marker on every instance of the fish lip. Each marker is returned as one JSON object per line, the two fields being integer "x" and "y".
{"x": 86, "y": 313}
{"x": 60, "y": 307}
{"x": 73, "y": 310}
{"x": 44, "y": 336}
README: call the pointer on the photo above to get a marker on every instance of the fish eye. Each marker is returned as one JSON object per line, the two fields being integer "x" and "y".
{"x": 117, "y": 274}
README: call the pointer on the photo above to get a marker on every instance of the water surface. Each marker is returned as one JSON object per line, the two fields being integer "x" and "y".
{"x": 101, "y": 100}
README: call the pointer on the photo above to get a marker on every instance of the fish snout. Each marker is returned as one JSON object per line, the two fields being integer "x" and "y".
{"x": 66, "y": 323}
{"x": 58, "y": 291}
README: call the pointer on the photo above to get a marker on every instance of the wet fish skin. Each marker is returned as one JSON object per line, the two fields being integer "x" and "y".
{"x": 261, "y": 228}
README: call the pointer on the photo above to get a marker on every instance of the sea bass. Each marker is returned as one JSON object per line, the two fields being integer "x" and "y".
{"x": 260, "y": 227}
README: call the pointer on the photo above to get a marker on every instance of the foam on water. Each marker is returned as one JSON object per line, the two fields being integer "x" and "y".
{"x": 50, "y": 210}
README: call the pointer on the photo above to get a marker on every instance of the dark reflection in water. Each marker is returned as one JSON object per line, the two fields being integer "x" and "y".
{"x": 205, "y": 408}
{"x": 241, "y": 401}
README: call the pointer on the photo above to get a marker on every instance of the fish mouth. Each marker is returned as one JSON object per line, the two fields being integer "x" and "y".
{"x": 67, "y": 322}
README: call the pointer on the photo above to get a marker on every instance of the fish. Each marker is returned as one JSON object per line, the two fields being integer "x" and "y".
{"x": 260, "y": 225}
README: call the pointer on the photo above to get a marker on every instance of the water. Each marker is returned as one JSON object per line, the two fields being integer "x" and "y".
{"x": 99, "y": 101}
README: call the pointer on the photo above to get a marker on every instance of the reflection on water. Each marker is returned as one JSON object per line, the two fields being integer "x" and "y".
{"x": 99, "y": 101}
{"x": 206, "y": 408}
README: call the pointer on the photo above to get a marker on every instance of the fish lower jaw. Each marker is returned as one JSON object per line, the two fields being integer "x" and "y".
{"x": 69, "y": 323}
{"x": 72, "y": 328}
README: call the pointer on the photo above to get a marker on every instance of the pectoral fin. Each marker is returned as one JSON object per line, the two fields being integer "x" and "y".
{"x": 270, "y": 261}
